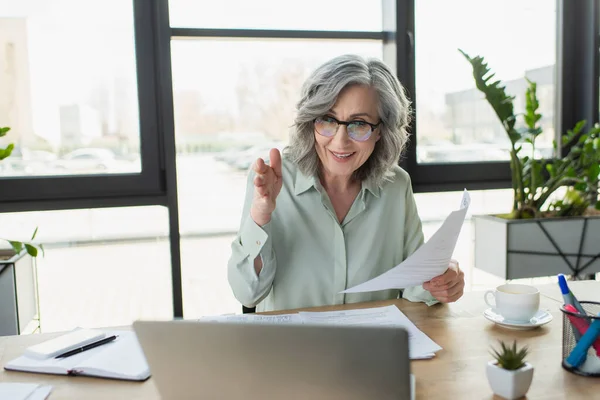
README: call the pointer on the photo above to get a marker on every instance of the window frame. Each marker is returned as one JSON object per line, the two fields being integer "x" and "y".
{"x": 148, "y": 187}
{"x": 157, "y": 183}
{"x": 573, "y": 76}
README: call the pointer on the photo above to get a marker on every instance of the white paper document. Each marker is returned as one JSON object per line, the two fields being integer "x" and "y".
{"x": 24, "y": 391}
{"x": 256, "y": 319}
{"x": 420, "y": 345}
{"x": 427, "y": 262}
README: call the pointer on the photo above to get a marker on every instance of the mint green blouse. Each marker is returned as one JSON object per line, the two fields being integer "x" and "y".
{"x": 309, "y": 257}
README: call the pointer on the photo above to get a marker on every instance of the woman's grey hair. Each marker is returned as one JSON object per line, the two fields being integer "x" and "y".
{"x": 319, "y": 94}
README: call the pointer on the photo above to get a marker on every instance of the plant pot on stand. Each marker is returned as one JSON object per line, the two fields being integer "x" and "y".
{"x": 554, "y": 223}
{"x": 19, "y": 307}
{"x": 528, "y": 248}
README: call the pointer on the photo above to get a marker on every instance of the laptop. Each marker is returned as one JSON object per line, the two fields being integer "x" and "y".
{"x": 228, "y": 360}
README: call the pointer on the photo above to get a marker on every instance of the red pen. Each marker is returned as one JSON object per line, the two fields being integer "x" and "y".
{"x": 581, "y": 325}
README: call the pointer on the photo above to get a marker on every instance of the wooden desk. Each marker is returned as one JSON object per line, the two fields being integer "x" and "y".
{"x": 456, "y": 372}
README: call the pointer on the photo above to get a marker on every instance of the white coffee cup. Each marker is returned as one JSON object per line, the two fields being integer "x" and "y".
{"x": 515, "y": 302}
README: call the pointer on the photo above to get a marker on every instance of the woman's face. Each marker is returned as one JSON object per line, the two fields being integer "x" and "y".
{"x": 340, "y": 155}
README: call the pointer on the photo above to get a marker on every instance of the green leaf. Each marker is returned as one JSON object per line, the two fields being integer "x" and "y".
{"x": 509, "y": 357}
{"x": 43, "y": 250}
{"x": 31, "y": 250}
{"x": 4, "y": 131}
{"x": 573, "y": 134}
{"x": 579, "y": 126}
{"x": 518, "y": 149}
{"x": 581, "y": 186}
{"x": 4, "y": 153}
{"x": 593, "y": 172}
{"x": 532, "y": 104}
{"x": 536, "y": 173}
{"x": 17, "y": 246}
{"x": 34, "y": 233}
{"x": 495, "y": 94}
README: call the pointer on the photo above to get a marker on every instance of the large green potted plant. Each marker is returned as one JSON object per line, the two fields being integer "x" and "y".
{"x": 554, "y": 224}
{"x": 18, "y": 284}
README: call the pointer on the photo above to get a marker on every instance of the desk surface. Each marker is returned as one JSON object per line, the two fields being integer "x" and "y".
{"x": 460, "y": 328}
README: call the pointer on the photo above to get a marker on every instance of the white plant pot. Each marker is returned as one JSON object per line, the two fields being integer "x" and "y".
{"x": 528, "y": 248}
{"x": 509, "y": 384}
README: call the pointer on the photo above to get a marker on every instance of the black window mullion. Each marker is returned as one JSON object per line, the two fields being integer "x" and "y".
{"x": 577, "y": 75}
{"x": 182, "y": 33}
{"x": 166, "y": 125}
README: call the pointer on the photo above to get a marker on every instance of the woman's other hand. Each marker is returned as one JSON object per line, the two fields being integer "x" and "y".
{"x": 449, "y": 286}
{"x": 267, "y": 185}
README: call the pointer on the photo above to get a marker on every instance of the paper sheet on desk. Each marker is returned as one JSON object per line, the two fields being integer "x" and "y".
{"x": 256, "y": 319}
{"x": 420, "y": 345}
{"x": 24, "y": 391}
{"x": 427, "y": 262}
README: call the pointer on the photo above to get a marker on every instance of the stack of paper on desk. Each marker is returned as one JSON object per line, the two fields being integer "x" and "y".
{"x": 420, "y": 345}
{"x": 427, "y": 262}
{"x": 120, "y": 359}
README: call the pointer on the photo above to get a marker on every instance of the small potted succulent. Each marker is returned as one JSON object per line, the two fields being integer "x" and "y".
{"x": 509, "y": 374}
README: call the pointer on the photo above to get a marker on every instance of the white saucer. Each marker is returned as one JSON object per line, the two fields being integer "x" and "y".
{"x": 542, "y": 317}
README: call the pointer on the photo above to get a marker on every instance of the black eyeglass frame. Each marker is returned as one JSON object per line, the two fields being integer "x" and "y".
{"x": 346, "y": 123}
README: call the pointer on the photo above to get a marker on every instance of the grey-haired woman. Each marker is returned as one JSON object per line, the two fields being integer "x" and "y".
{"x": 337, "y": 210}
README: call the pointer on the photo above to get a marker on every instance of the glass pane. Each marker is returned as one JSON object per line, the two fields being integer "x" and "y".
{"x": 69, "y": 91}
{"x": 228, "y": 112}
{"x": 101, "y": 267}
{"x": 454, "y": 122}
{"x": 321, "y": 15}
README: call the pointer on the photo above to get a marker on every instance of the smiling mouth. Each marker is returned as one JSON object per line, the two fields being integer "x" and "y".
{"x": 341, "y": 156}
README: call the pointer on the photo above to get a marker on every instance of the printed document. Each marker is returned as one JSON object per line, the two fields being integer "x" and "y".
{"x": 420, "y": 345}
{"x": 427, "y": 262}
{"x": 256, "y": 318}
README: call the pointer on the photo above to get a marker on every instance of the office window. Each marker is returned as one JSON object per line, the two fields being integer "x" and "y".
{"x": 102, "y": 267}
{"x": 517, "y": 38}
{"x": 69, "y": 89}
{"x": 228, "y": 113}
{"x": 317, "y": 15}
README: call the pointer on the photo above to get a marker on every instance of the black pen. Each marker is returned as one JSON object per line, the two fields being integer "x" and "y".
{"x": 87, "y": 347}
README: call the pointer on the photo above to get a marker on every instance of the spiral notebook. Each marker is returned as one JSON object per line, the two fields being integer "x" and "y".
{"x": 122, "y": 358}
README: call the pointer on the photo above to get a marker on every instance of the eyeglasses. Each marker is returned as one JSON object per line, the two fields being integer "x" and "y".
{"x": 357, "y": 130}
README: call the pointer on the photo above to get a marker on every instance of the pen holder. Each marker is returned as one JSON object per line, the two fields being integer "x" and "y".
{"x": 577, "y": 322}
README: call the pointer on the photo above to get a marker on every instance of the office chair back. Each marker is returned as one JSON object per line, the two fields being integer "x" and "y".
{"x": 248, "y": 310}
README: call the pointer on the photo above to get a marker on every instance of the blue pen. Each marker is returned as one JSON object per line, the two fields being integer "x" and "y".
{"x": 579, "y": 353}
{"x": 568, "y": 296}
